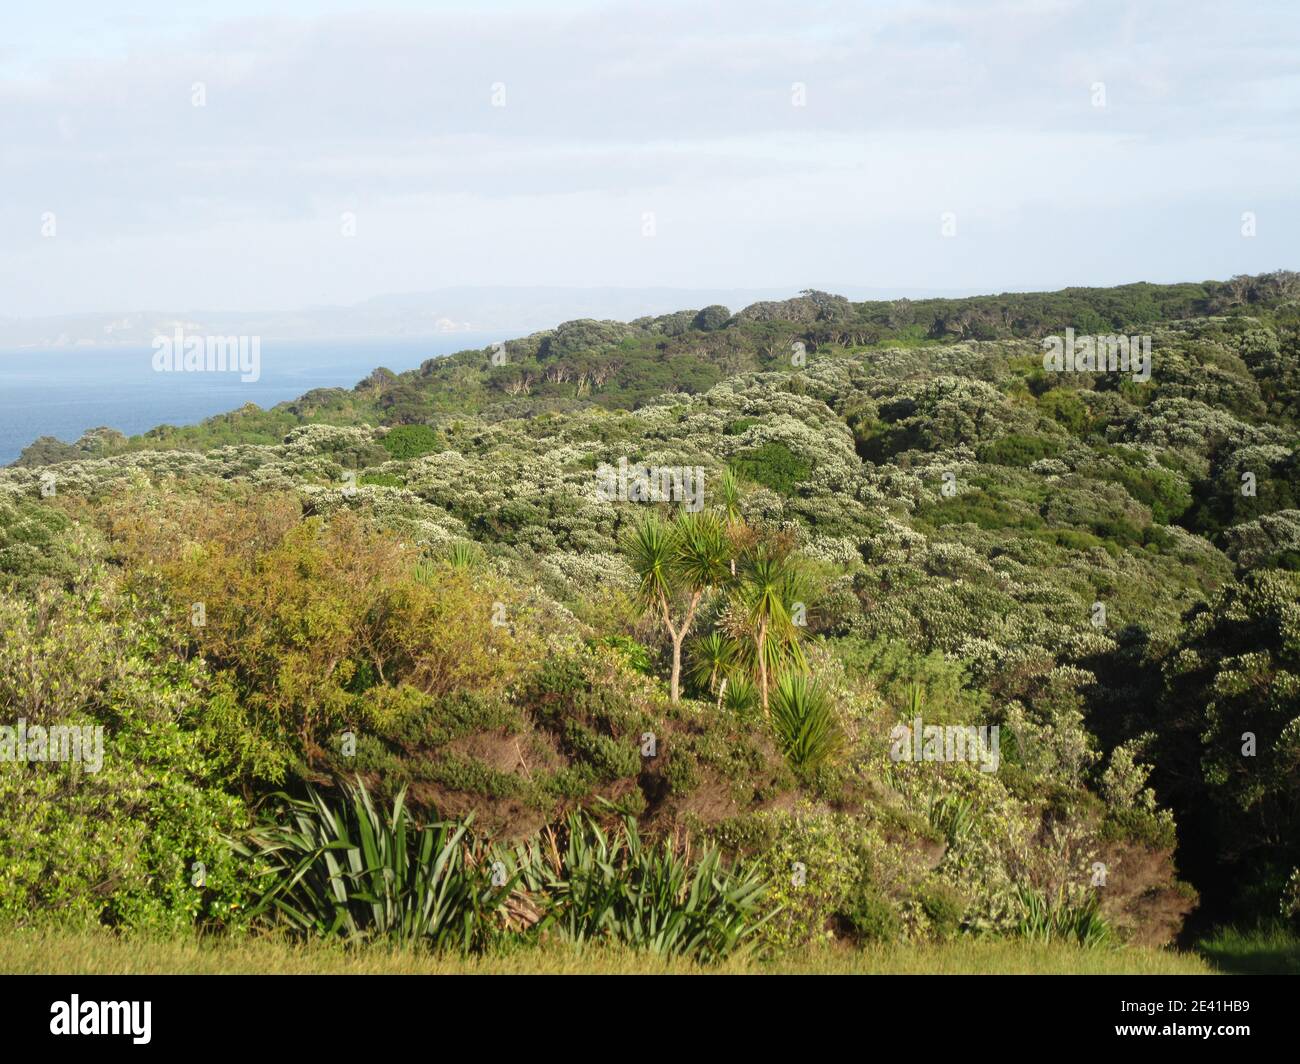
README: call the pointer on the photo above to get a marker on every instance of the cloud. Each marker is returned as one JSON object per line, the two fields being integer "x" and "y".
{"x": 685, "y": 110}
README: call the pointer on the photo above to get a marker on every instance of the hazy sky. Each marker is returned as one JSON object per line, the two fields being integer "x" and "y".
{"x": 615, "y": 112}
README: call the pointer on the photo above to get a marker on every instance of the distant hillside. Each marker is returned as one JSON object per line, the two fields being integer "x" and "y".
{"x": 506, "y": 311}
{"x": 623, "y": 365}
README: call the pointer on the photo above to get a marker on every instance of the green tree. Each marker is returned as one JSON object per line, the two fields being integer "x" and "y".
{"x": 712, "y": 317}
{"x": 803, "y": 717}
{"x": 1229, "y": 755}
{"x": 676, "y": 564}
{"x": 765, "y": 605}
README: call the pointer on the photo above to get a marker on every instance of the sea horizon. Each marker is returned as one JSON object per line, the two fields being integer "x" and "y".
{"x": 63, "y": 392}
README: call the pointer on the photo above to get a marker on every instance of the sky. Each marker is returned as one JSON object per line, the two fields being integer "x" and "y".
{"x": 278, "y": 154}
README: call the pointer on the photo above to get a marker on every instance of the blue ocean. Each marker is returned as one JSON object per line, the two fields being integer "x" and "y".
{"x": 64, "y": 392}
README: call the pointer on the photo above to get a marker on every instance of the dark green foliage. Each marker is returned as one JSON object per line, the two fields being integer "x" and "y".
{"x": 1244, "y": 489}
{"x": 804, "y": 719}
{"x": 986, "y": 511}
{"x": 943, "y": 907}
{"x": 741, "y": 695}
{"x": 604, "y": 887}
{"x": 46, "y": 451}
{"x": 462, "y": 713}
{"x": 774, "y": 466}
{"x": 1067, "y": 408}
{"x": 474, "y": 777}
{"x": 872, "y": 916}
{"x": 598, "y": 728}
{"x": 411, "y": 441}
{"x": 347, "y": 869}
{"x": 1057, "y": 918}
{"x": 609, "y": 758}
{"x": 1166, "y": 493}
{"x": 713, "y": 317}
{"x": 1015, "y": 450}
{"x": 1230, "y": 749}
{"x": 637, "y": 655}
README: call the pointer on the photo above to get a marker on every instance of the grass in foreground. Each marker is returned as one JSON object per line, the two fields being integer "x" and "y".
{"x": 1260, "y": 951}
{"x": 35, "y": 952}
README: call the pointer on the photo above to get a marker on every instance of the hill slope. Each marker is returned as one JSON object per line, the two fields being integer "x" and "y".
{"x": 1104, "y": 567}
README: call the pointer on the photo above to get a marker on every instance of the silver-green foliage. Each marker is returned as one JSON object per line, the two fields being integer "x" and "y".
{"x": 615, "y": 887}
{"x": 354, "y": 871}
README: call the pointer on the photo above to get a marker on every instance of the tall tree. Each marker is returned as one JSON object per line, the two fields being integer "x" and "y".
{"x": 676, "y": 564}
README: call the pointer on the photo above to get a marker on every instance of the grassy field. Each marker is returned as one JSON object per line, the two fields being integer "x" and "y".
{"x": 1266, "y": 951}
{"x": 103, "y": 953}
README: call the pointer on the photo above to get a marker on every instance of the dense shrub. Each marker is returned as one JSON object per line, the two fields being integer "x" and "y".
{"x": 1230, "y": 742}
{"x": 774, "y": 465}
{"x": 411, "y": 441}
{"x": 1018, "y": 450}
{"x": 132, "y": 834}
